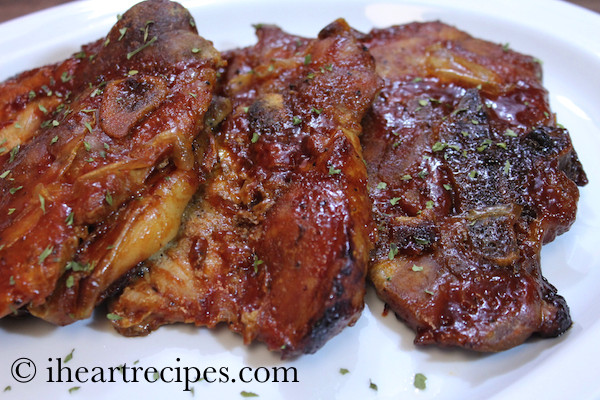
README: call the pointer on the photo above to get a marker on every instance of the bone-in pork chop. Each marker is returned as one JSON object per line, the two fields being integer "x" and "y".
{"x": 469, "y": 174}
{"x": 276, "y": 243}
{"x": 97, "y": 163}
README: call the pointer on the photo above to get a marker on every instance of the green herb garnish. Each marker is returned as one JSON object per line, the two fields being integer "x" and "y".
{"x": 113, "y": 317}
{"x": 69, "y": 356}
{"x": 142, "y": 47}
{"x": 484, "y": 145}
{"x": 256, "y": 263}
{"x": 42, "y": 203}
{"x": 422, "y": 241}
{"x": 74, "y": 389}
{"x": 507, "y": 167}
{"x": 393, "y": 251}
{"x": 13, "y": 153}
{"x": 69, "y": 219}
{"x": 333, "y": 170}
{"x": 47, "y": 251}
{"x": 439, "y": 146}
{"x": 108, "y": 198}
{"x": 420, "y": 381}
{"x": 372, "y": 386}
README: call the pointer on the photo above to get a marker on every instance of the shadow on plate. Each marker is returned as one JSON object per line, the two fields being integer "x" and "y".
{"x": 26, "y": 325}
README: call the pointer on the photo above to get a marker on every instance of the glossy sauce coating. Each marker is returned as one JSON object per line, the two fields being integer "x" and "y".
{"x": 469, "y": 175}
{"x": 276, "y": 242}
{"x": 108, "y": 144}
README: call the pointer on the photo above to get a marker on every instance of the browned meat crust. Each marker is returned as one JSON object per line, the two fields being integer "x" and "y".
{"x": 276, "y": 243}
{"x": 97, "y": 164}
{"x": 469, "y": 174}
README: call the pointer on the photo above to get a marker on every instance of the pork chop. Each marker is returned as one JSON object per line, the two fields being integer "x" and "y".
{"x": 469, "y": 174}
{"x": 97, "y": 164}
{"x": 276, "y": 243}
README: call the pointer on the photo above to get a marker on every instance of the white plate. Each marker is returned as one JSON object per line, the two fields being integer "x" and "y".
{"x": 377, "y": 349}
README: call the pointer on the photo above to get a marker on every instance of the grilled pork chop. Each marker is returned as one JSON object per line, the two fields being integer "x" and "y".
{"x": 469, "y": 174}
{"x": 97, "y": 165}
{"x": 276, "y": 243}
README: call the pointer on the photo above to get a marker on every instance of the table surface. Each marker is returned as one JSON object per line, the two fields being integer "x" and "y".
{"x": 10, "y": 9}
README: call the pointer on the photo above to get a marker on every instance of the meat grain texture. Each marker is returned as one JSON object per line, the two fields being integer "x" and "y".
{"x": 97, "y": 162}
{"x": 469, "y": 174}
{"x": 185, "y": 186}
{"x": 275, "y": 244}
